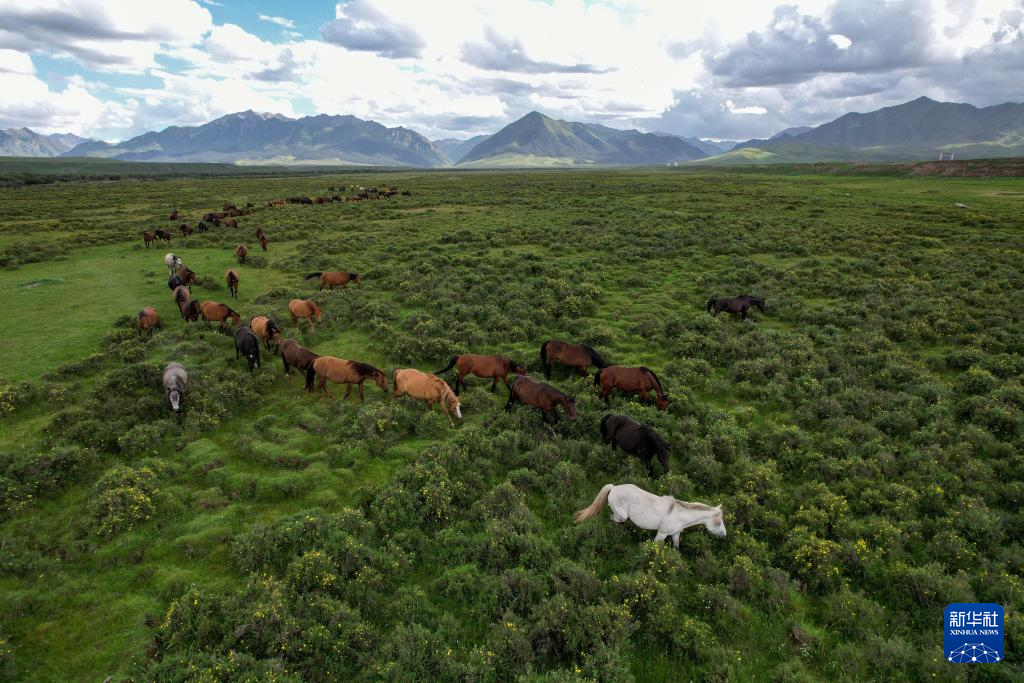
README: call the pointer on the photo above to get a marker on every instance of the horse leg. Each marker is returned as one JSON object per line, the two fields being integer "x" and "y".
{"x": 660, "y": 538}
{"x": 361, "y": 396}
{"x": 459, "y": 381}
{"x": 675, "y": 540}
{"x": 618, "y": 517}
{"x": 643, "y": 396}
{"x": 606, "y": 395}
{"x": 494, "y": 385}
{"x": 511, "y": 401}
{"x": 582, "y": 369}
{"x": 348, "y": 390}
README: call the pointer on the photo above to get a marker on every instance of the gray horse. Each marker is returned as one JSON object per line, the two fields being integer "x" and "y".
{"x": 175, "y": 383}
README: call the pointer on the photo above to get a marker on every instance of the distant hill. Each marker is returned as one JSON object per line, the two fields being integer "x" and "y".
{"x": 23, "y": 142}
{"x": 795, "y": 130}
{"x": 250, "y": 137}
{"x": 456, "y": 148}
{"x": 539, "y": 140}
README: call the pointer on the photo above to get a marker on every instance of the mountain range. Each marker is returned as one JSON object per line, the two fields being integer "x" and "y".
{"x": 915, "y": 130}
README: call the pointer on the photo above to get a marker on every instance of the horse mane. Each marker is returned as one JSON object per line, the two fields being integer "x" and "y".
{"x": 364, "y": 368}
{"x": 231, "y": 311}
{"x": 595, "y": 356}
{"x": 353, "y": 276}
{"x": 658, "y": 441}
{"x": 695, "y": 506}
{"x": 646, "y": 369}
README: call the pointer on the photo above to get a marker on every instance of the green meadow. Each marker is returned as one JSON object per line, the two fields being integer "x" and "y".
{"x": 863, "y": 435}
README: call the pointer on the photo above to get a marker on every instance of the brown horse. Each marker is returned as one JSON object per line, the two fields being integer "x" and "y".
{"x": 163, "y": 235}
{"x": 630, "y": 380}
{"x": 241, "y": 251}
{"x": 148, "y": 320}
{"x": 495, "y": 367}
{"x": 579, "y": 356}
{"x": 259, "y": 232}
{"x": 263, "y": 242}
{"x": 341, "y": 371}
{"x": 187, "y": 275}
{"x": 218, "y": 313}
{"x": 230, "y": 223}
{"x": 267, "y": 330}
{"x": 148, "y": 237}
{"x": 294, "y": 355}
{"x": 333, "y": 278}
{"x": 429, "y": 388}
{"x": 182, "y": 298}
{"x": 529, "y": 391}
{"x": 186, "y": 229}
{"x": 734, "y": 305}
{"x": 231, "y": 277}
{"x": 304, "y": 308}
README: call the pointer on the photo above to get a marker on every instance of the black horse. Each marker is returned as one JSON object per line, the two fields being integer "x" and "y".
{"x": 248, "y": 345}
{"x": 735, "y": 304}
{"x": 635, "y": 438}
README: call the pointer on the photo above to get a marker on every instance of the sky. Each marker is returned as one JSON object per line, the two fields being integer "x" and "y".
{"x": 729, "y": 69}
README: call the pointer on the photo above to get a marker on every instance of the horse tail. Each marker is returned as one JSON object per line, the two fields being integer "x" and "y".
{"x": 595, "y": 357}
{"x": 597, "y": 377}
{"x": 310, "y": 376}
{"x": 455, "y": 359}
{"x": 595, "y": 507}
{"x": 658, "y": 381}
{"x": 604, "y": 427}
{"x": 544, "y": 355}
{"x": 711, "y": 302}
{"x": 313, "y": 275}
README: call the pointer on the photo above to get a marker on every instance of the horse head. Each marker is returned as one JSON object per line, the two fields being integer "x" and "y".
{"x": 380, "y": 379}
{"x": 454, "y": 404}
{"x": 174, "y": 397}
{"x": 316, "y": 311}
{"x": 570, "y": 406}
{"x": 516, "y": 367}
{"x": 715, "y": 523}
{"x": 661, "y": 402}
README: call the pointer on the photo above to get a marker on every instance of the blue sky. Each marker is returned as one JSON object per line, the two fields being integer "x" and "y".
{"x": 732, "y": 69}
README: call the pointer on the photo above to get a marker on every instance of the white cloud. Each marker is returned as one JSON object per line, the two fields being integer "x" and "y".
{"x": 28, "y": 101}
{"x": 14, "y": 62}
{"x": 280, "y": 21}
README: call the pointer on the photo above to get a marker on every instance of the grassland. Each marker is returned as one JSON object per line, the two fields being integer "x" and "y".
{"x": 864, "y": 436}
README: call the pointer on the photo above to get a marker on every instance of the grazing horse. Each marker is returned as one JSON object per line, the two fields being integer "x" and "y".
{"x": 334, "y": 278}
{"x": 735, "y": 304}
{"x": 304, "y": 308}
{"x": 173, "y": 216}
{"x": 496, "y": 367}
{"x": 175, "y": 384}
{"x": 295, "y": 355}
{"x": 263, "y": 242}
{"x": 201, "y": 226}
{"x": 163, "y": 235}
{"x": 181, "y": 297}
{"x": 148, "y": 237}
{"x": 663, "y": 514}
{"x": 231, "y": 277}
{"x": 429, "y": 388}
{"x": 579, "y": 356}
{"x": 260, "y": 233}
{"x": 148, "y": 320}
{"x": 267, "y": 330}
{"x": 529, "y": 391}
{"x": 184, "y": 277}
{"x": 172, "y": 262}
{"x": 230, "y": 223}
{"x": 246, "y": 344}
{"x": 186, "y": 229}
{"x": 217, "y": 313}
{"x": 341, "y": 371}
{"x": 630, "y": 380}
{"x": 241, "y": 251}
{"x": 636, "y": 438}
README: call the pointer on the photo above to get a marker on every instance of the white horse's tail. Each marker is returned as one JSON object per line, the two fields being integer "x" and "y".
{"x": 595, "y": 507}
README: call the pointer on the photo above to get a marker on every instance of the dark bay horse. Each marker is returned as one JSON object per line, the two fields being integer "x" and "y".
{"x": 231, "y": 277}
{"x": 545, "y": 397}
{"x": 579, "y": 356}
{"x": 735, "y": 304}
{"x": 333, "y": 278}
{"x": 246, "y": 344}
{"x": 635, "y": 438}
{"x": 630, "y": 380}
{"x": 295, "y": 355}
{"x": 241, "y": 251}
{"x": 486, "y": 366}
{"x": 148, "y": 237}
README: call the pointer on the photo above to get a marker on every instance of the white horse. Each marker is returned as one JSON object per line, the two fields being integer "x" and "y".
{"x": 175, "y": 384}
{"x": 173, "y": 263}
{"x": 664, "y": 514}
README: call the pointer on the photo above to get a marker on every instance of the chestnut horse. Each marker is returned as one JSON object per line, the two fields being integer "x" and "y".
{"x": 341, "y": 371}
{"x": 579, "y": 356}
{"x": 263, "y": 242}
{"x": 148, "y": 238}
{"x": 304, "y": 308}
{"x": 735, "y": 304}
{"x": 529, "y": 391}
{"x": 429, "y": 388}
{"x": 294, "y": 355}
{"x": 493, "y": 366}
{"x": 267, "y": 330}
{"x": 632, "y": 381}
{"x": 241, "y": 251}
{"x": 231, "y": 277}
{"x": 186, "y": 229}
{"x": 333, "y": 278}
{"x": 230, "y": 223}
{"x": 218, "y": 313}
{"x": 148, "y": 320}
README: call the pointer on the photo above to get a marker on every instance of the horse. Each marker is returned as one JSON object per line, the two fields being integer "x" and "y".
{"x": 148, "y": 319}
{"x": 246, "y": 344}
{"x": 263, "y": 242}
{"x": 163, "y": 235}
{"x": 630, "y": 380}
{"x": 186, "y": 229}
{"x": 189, "y": 310}
{"x": 529, "y": 391}
{"x": 148, "y": 237}
{"x": 201, "y": 226}
{"x": 175, "y": 384}
{"x": 294, "y": 355}
{"x": 663, "y": 514}
{"x": 230, "y": 223}
{"x": 429, "y": 388}
{"x": 230, "y": 207}
{"x": 172, "y": 262}
{"x": 173, "y": 216}
{"x": 304, "y": 308}
{"x": 183, "y": 278}
{"x": 181, "y": 297}
{"x": 493, "y": 366}
{"x": 579, "y": 356}
{"x": 635, "y": 438}
{"x": 260, "y": 233}
{"x": 218, "y": 313}
{"x": 735, "y": 304}
{"x": 334, "y": 278}
{"x": 231, "y": 277}
{"x": 241, "y": 251}
{"x": 266, "y": 329}
{"x": 341, "y": 371}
